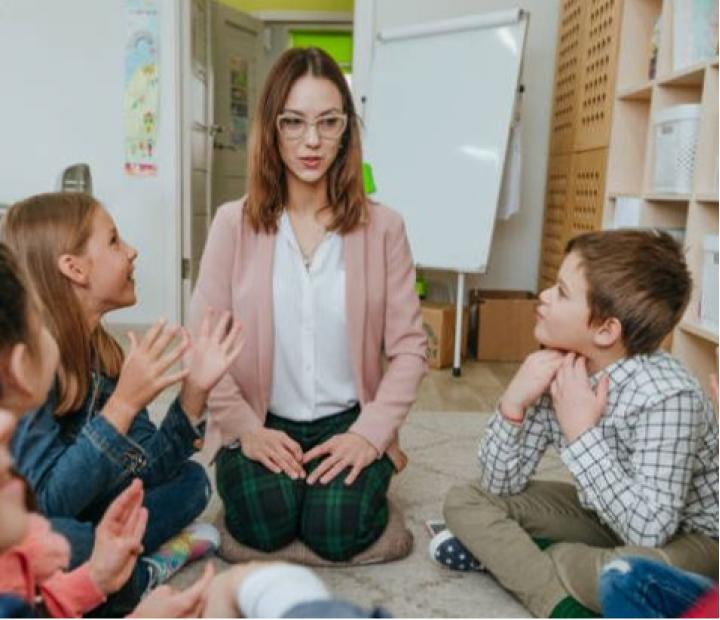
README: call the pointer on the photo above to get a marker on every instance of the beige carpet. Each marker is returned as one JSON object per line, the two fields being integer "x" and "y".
{"x": 442, "y": 448}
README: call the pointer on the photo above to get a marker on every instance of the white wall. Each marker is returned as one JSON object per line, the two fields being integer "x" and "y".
{"x": 515, "y": 251}
{"x": 61, "y": 68}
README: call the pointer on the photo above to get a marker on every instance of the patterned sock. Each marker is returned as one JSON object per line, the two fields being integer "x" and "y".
{"x": 191, "y": 544}
{"x": 543, "y": 543}
{"x": 570, "y": 608}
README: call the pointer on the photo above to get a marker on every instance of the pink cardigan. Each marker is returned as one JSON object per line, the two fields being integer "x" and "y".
{"x": 383, "y": 322}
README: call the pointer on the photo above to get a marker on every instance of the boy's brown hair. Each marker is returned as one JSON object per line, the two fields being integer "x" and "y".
{"x": 637, "y": 276}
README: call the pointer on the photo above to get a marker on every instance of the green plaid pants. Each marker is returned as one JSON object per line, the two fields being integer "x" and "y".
{"x": 267, "y": 511}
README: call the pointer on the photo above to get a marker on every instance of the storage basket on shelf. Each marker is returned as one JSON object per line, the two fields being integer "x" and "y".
{"x": 676, "y": 135}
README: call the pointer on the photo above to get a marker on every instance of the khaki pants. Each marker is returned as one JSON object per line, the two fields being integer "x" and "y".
{"x": 498, "y": 531}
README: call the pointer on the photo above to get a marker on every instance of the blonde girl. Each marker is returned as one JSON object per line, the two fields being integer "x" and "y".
{"x": 93, "y": 434}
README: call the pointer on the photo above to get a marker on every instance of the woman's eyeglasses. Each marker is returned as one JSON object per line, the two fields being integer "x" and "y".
{"x": 294, "y": 127}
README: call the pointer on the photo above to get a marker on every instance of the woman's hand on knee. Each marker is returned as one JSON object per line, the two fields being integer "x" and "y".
{"x": 343, "y": 451}
{"x": 274, "y": 449}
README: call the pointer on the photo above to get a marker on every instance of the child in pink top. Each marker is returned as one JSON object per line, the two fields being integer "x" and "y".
{"x": 32, "y": 556}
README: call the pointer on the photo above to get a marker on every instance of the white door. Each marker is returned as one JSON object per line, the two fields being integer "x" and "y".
{"x": 237, "y": 50}
{"x": 197, "y": 75}
{"x": 221, "y": 53}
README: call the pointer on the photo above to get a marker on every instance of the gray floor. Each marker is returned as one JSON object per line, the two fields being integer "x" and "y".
{"x": 440, "y": 438}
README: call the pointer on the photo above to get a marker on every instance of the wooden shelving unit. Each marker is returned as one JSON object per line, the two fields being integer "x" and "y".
{"x": 585, "y": 69}
{"x": 632, "y": 151}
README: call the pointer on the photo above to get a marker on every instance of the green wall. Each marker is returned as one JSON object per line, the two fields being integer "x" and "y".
{"x": 337, "y": 44}
{"x": 249, "y": 6}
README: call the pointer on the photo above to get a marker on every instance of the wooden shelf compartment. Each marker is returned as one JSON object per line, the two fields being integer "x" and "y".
{"x": 677, "y": 198}
{"x": 697, "y": 353}
{"x": 670, "y": 94}
{"x": 665, "y": 214}
{"x": 653, "y": 214}
{"x": 638, "y": 92}
{"x": 701, "y": 221}
{"x": 638, "y": 20}
{"x": 700, "y": 331}
{"x": 689, "y": 76}
{"x": 629, "y": 136}
{"x": 708, "y": 197}
{"x": 663, "y": 97}
{"x": 706, "y": 161}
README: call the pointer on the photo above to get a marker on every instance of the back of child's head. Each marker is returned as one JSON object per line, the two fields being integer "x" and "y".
{"x": 39, "y": 230}
{"x": 637, "y": 276}
{"x": 16, "y": 307}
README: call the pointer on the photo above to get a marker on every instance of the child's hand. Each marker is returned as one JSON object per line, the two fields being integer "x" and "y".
{"x": 143, "y": 376}
{"x": 165, "y": 602}
{"x": 211, "y": 353}
{"x": 577, "y": 407}
{"x": 530, "y": 382}
{"x": 225, "y": 588}
{"x": 118, "y": 540}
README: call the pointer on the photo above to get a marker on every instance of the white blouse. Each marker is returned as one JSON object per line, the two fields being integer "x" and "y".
{"x": 312, "y": 373}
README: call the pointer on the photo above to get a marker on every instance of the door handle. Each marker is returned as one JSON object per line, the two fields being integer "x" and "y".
{"x": 219, "y": 146}
{"x": 211, "y": 130}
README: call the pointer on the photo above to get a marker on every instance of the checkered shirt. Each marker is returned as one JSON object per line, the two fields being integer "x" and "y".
{"x": 648, "y": 469}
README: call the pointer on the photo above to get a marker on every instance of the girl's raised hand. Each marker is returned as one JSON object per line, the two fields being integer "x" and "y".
{"x": 118, "y": 540}
{"x": 145, "y": 373}
{"x": 214, "y": 348}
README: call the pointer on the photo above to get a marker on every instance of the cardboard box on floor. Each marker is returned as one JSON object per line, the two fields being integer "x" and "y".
{"x": 506, "y": 320}
{"x": 439, "y": 325}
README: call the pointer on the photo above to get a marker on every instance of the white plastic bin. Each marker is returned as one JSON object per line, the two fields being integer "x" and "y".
{"x": 709, "y": 297}
{"x": 628, "y": 212}
{"x": 676, "y": 135}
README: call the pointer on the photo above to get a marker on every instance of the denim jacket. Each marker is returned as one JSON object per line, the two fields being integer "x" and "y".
{"x": 75, "y": 460}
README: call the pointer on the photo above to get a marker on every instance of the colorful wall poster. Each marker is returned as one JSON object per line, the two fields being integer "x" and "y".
{"x": 142, "y": 87}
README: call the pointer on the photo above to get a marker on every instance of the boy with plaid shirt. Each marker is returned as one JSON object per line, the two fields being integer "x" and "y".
{"x": 631, "y": 424}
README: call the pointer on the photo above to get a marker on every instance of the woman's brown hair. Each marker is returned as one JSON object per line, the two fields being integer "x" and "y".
{"x": 267, "y": 182}
{"x": 39, "y": 230}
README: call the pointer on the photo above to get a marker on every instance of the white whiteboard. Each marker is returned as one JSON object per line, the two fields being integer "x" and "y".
{"x": 437, "y": 120}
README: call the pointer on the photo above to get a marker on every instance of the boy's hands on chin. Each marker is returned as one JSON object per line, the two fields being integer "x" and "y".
{"x": 530, "y": 382}
{"x": 216, "y": 346}
{"x": 577, "y": 407}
